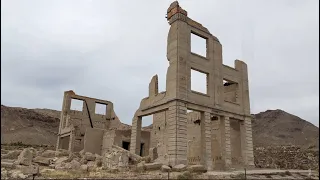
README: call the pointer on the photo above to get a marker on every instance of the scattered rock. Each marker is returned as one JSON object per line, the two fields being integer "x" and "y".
{"x": 123, "y": 160}
{"x": 17, "y": 174}
{"x": 113, "y": 170}
{"x": 146, "y": 159}
{"x": 7, "y": 164}
{"x": 116, "y": 158}
{"x": 42, "y": 160}
{"x": 81, "y": 153}
{"x": 8, "y": 160}
{"x": 61, "y": 160}
{"x": 11, "y": 154}
{"x": 49, "y": 154}
{"x": 25, "y": 157}
{"x": 98, "y": 160}
{"x": 33, "y": 151}
{"x": 60, "y": 166}
{"x": 153, "y": 166}
{"x": 83, "y": 161}
{"x": 89, "y": 156}
{"x": 46, "y": 170}
{"x": 32, "y": 169}
{"x": 141, "y": 166}
{"x": 179, "y": 168}
{"x": 72, "y": 156}
{"x": 61, "y": 152}
{"x": 185, "y": 175}
{"x": 4, "y": 173}
{"x": 75, "y": 164}
{"x": 4, "y": 151}
{"x": 165, "y": 168}
{"x": 133, "y": 157}
{"x": 91, "y": 165}
{"x": 197, "y": 168}
{"x": 286, "y": 157}
{"x": 84, "y": 167}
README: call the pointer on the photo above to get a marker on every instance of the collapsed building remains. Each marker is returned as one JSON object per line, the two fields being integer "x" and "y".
{"x": 212, "y": 129}
{"x": 85, "y": 129}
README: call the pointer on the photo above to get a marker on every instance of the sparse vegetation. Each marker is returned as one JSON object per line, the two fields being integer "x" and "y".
{"x": 64, "y": 174}
{"x": 185, "y": 175}
{"x": 21, "y": 145}
{"x": 288, "y": 173}
{"x": 238, "y": 176}
{"x": 268, "y": 176}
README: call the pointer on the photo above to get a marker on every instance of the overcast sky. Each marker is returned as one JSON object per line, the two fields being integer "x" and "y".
{"x": 110, "y": 49}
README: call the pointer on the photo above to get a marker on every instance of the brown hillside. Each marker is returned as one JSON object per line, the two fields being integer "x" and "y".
{"x": 40, "y": 126}
{"x": 277, "y": 127}
{"x": 27, "y": 126}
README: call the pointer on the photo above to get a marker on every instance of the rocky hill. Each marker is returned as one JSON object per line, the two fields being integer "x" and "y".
{"x": 40, "y": 126}
{"x": 277, "y": 127}
{"x": 28, "y": 126}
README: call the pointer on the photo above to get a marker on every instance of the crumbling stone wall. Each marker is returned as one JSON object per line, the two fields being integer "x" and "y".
{"x": 124, "y": 135}
{"x": 74, "y": 123}
{"x": 286, "y": 157}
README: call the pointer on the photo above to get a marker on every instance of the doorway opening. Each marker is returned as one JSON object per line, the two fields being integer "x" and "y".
{"x": 126, "y": 145}
{"x": 141, "y": 149}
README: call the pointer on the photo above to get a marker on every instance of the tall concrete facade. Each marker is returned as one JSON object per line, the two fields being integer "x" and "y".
{"x": 217, "y": 134}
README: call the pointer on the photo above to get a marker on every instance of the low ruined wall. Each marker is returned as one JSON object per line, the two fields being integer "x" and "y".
{"x": 286, "y": 157}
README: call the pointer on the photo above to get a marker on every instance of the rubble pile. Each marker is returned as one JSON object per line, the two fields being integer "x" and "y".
{"x": 29, "y": 162}
{"x": 286, "y": 157}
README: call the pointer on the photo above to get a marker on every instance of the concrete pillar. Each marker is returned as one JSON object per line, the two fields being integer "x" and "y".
{"x": 136, "y": 135}
{"x": 243, "y": 142}
{"x": 177, "y": 134}
{"x": 58, "y": 143}
{"x": 72, "y": 140}
{"x": 225, "y": 141}
{"x": 246, "y": 134}
{"x": 206, "y": 140}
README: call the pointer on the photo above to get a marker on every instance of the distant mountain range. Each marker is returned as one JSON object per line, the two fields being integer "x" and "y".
{"x": 40, "y": 126}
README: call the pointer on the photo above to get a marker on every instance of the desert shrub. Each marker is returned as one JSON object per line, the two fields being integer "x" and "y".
{"x": 185, "y": 175}
{"x": 238, "y": 176}
{"x": 268, "y": 176}
{"x": 288, "y": 173}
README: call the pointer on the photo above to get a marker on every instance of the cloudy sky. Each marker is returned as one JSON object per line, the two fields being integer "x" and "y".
{"x": 110, "y": 49}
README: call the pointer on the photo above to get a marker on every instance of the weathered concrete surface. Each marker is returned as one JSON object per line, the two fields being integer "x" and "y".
{"x": 221, "y": 121}
{"x": 25, "y": 157}
{"x": 74, "y": 123}
{"x": 42, "y": 160}
{"x": 77, "y": 132}
{"x": 153, "y": 166}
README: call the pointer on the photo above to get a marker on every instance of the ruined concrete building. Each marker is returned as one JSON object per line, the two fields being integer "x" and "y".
{"x": 85, "y": 129}
{"x": 223, "y": 136}
{"x": 212, "y": 128}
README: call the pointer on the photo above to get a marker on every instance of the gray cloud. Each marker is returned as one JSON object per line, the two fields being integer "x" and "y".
{"x": 111, "y": 49}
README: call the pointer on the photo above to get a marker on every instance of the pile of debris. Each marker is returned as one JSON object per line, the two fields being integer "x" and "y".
{"x": 286, "y": 157}
{"x": 28, "y": 162}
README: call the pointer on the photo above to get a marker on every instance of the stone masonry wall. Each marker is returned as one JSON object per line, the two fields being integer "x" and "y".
{"x": 286, "y": 157}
